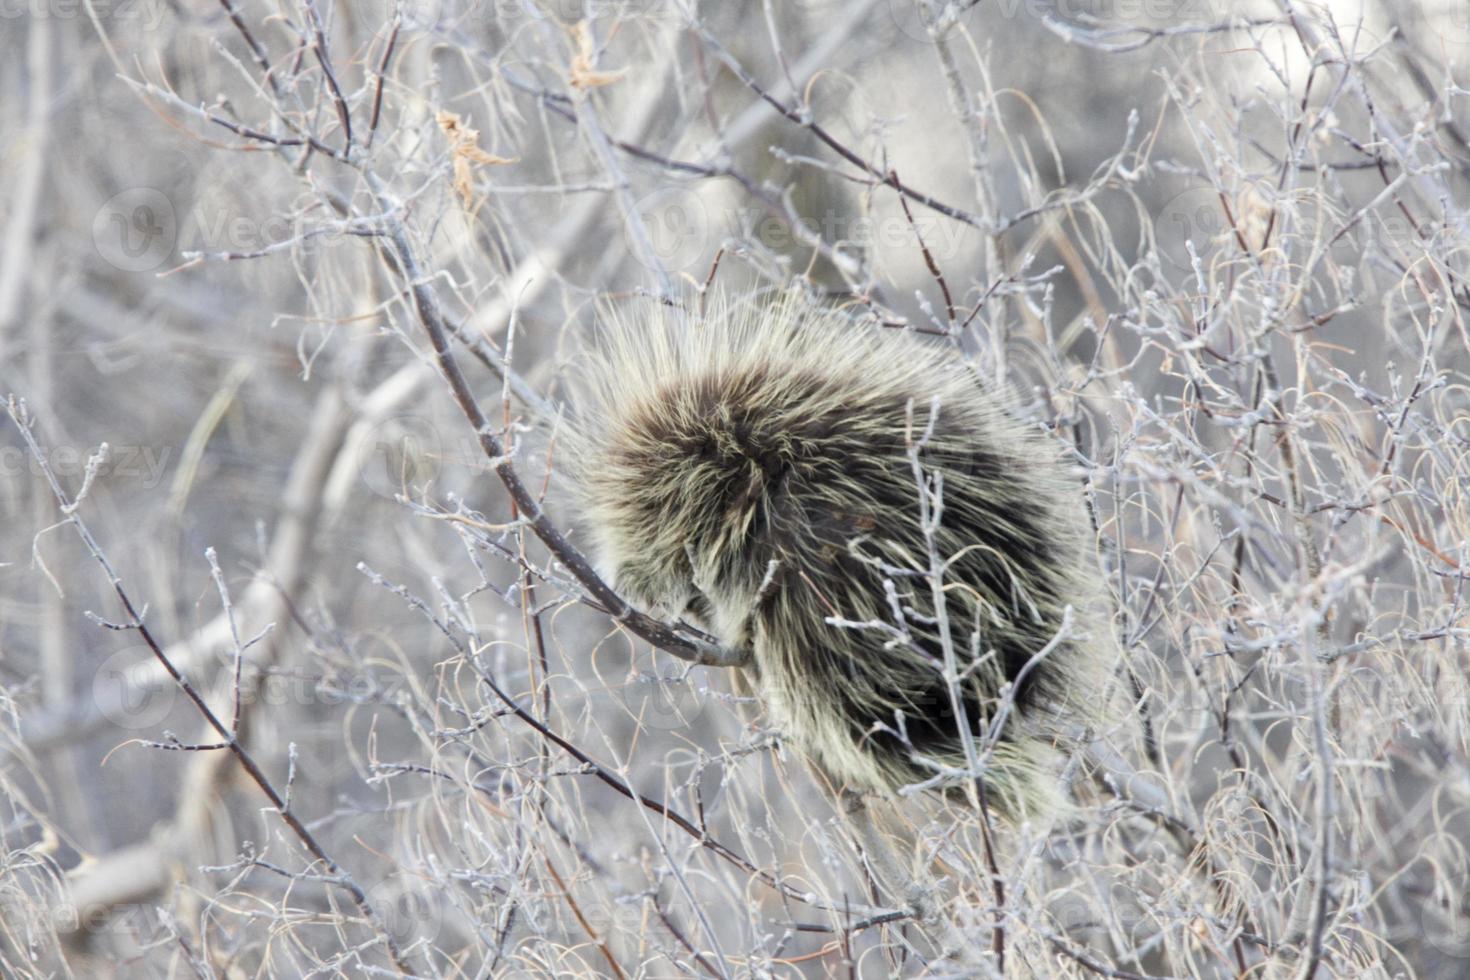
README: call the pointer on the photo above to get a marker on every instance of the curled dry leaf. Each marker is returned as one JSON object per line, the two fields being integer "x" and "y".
{"x": 465, "y": 152}
{"x": 583, "y": 74}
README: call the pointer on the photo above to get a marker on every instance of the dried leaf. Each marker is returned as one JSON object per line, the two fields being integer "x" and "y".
{"x": 584, "y": 74}
{"x": 465, "y": 152}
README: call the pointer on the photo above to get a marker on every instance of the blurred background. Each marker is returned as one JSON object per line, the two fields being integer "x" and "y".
{"x": 1217, "y": 249}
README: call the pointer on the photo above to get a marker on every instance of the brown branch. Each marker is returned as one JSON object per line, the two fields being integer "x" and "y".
{"x": 319, "y": 48}
{"x": 680, "y": 640}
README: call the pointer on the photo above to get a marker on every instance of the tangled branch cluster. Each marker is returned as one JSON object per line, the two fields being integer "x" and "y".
{"x": 307, "y": 673}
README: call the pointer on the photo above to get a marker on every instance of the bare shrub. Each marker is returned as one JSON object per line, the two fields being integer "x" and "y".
{"x": 306, "y": 674}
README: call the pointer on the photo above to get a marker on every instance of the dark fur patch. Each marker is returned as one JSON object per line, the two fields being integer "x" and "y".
{"x": 795, "y": 493}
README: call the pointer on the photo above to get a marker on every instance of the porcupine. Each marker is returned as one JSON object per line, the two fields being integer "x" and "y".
{"x": 753, "y": 470}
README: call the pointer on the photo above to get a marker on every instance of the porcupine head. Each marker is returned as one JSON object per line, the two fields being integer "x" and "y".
{"x": 904, "y": 559}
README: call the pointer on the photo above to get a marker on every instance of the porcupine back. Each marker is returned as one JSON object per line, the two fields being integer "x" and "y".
{"x": 753, "y": 470}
